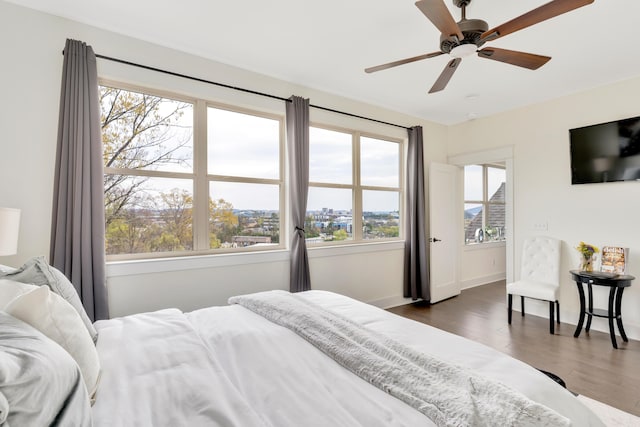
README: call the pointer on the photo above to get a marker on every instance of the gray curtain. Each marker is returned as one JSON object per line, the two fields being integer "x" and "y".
{"x": 416, "y": 272}
{"x": 297, "y": 111}
{"x": 77, "y": 230}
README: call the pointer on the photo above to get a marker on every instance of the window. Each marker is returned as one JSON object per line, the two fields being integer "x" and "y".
{"x": 484, "y": 203}
{"x": 354, "y": 187}
{"x": 185, "y": 176}
{"x": 244, "y": 177}
{"x": 160, "y": 198}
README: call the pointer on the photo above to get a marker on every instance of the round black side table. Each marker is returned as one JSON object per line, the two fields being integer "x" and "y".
{"x": 616, "y": 283}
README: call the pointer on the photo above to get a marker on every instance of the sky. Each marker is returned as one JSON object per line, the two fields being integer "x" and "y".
{"x": 244, "y": 145}
{"x": 473, "y": 181}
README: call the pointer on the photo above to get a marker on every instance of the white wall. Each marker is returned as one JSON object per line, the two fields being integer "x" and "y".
{"x": 488, "y": 262}
{"x": 482, "y": 264}
{"x": 30, "y": 78}
{"x": 596, "y": 213}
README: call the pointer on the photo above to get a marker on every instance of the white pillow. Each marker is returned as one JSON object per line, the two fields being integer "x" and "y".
{"x": 36, "y": 271}
{"x": 57, "y": 319}
{"x": 9, "y": 289}
{"x": 6, "y": 269}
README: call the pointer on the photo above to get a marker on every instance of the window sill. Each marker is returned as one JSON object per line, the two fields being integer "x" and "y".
{"x": 484, "y": 246}
{"x": 161, "y": 265}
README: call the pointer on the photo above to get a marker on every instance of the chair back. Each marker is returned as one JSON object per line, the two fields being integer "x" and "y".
{"x": 541, "y": 260}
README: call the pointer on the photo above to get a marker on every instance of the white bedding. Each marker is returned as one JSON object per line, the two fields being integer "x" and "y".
{"x": 226, "y": 366}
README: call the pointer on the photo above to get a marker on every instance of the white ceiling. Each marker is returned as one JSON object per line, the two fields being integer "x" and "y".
{"x": 327, "y": 44}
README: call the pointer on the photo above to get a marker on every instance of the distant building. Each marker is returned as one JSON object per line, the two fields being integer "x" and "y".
{"x": 250, "y": 240}
{"x": 496, "y": 213}
{"x": 343, "y": 223}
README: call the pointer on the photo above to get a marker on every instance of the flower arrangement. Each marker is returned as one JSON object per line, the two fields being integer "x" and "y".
{"x": 587, "y": 252}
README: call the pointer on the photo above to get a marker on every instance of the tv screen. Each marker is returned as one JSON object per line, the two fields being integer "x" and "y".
{"x": 606, "y": 152}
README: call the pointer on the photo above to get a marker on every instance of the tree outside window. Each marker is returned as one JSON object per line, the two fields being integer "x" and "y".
{"x": 163, "y": 199}
{"x": 151, "y": 202}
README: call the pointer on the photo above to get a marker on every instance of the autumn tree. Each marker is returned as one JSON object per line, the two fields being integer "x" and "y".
{"x": 142, "y": 133}
{"x": 176, "y": 213}
{"x": 223, "y": 224}
{"x": 340, "y": 235}
{"x": 165, "y": 226}
{"x": 126, "y": 234}
{"x": 389, "y": 231}
{"x": 139, "y": 131}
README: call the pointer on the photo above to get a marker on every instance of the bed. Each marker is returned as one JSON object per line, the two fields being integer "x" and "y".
{"x": 229, "y": 366}
{"x": 253, "y": 364}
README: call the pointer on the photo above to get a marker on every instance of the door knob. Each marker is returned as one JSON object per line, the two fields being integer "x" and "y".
{"x": 434, "y": 239}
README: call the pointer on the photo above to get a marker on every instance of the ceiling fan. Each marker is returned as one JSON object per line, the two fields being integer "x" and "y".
{"x": 464, "y": 38}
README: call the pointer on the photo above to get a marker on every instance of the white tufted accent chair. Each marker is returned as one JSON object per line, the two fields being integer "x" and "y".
{"x": 539, "y": 275}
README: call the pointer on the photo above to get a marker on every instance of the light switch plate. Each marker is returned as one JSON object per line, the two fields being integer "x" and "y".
{"x": 540, "y": 226}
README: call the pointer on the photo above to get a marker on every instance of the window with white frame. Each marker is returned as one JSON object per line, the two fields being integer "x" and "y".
{"x": 354, "y": 187}
{"x": 484, "y": 203}
{"x": 174, "y": 185}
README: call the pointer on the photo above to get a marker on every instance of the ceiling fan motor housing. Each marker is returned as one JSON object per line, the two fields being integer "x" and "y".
{"x": 461, "y": 3}
{"x": 471, "y": 29}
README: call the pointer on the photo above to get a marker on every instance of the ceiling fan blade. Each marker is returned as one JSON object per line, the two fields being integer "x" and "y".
{"x": 535, "y": 16}
{"x": 440, "y": 16}
{"x": 402, "y": 62}
{"x": 513, "y": 57}
{"x": 445, "y": 76}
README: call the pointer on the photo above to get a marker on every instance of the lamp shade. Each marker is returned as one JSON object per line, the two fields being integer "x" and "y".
{"x": 9, "y": 226}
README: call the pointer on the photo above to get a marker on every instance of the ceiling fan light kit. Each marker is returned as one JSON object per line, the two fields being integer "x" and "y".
{"x": 463, "y": 50}
{"x": 464, "y": 38}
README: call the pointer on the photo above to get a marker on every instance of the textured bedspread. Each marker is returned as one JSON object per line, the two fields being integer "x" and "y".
{"x": 227, "y": 366}
{"x": 156, "y": 371}
{"x": 446, "y": 393}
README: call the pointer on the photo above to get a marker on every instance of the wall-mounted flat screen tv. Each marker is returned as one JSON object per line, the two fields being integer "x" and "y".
{"x": 606, "y": 152}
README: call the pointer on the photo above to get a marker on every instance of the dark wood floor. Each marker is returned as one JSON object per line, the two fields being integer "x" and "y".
{"x": 588, "y": 364}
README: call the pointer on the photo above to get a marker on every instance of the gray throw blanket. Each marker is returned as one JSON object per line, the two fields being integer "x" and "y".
{"x": 447, "y": 394}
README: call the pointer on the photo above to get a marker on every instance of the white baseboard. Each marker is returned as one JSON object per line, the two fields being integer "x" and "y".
{"x": 600, "y": 325}
{"x": 396, "y": 300}
{"x": 392, "y": 301}
{"x": 484, "y": 280}
{"x": 540, "y": 309}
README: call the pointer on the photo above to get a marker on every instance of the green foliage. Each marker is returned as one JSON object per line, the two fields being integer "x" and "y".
{"x": 143, "y": 132}
{"x": 390, "y": 231}
{"x": 223, "y": 224}
{"x": 128, "y": 233}
{"x": 340, "y": 235}
{"x": 310, "y": 228}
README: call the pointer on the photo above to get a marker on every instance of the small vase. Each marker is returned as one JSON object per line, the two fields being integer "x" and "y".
{"x": 586, "y": 263}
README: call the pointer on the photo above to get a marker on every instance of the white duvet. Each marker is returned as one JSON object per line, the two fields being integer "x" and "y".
{"x": 226, "y": 366}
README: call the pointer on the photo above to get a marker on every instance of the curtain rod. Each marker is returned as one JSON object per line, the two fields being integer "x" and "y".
{"x": 198, "y": 79}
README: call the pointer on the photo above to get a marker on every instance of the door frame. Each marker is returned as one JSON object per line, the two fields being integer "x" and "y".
{"x": 502, "y": 154}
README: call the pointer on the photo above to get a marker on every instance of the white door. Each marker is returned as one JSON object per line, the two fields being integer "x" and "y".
{"x": 443, "y": 231}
